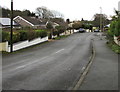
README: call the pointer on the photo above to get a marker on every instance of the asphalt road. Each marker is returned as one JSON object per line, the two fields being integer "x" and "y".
{"x": 55, "y": 65}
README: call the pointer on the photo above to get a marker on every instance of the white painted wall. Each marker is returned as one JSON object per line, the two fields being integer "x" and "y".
{"x": 76, "y": 31}
{"x": 24, "y": 44}
{"x": 54, "y": 36}
{"x": 116, "y": 41}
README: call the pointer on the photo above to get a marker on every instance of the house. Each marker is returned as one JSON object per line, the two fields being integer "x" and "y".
{"x": 54, "y": 24}
{"x": 29, "y": 22}
{"x": 6, "y": 23}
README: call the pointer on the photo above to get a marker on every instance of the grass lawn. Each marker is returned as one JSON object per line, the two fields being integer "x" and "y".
{"x": 60, "y": 37}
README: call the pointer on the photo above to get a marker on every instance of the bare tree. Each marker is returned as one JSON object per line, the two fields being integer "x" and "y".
{"x": 44, "y": 12}
{"x": 57, "y": 14}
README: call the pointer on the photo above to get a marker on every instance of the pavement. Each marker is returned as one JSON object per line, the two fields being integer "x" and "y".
{"x": 56, "y": 65}
{"x": 103, "y": 74}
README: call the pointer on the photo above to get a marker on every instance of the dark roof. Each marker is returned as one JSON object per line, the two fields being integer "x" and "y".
{"x": 33, "y": 20}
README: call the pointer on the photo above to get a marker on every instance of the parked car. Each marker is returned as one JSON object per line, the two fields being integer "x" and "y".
{"x": 81, "y": 30}
{"x": 96, "y": 30}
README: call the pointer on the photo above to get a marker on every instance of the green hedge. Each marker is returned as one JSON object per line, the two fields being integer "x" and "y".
{"x": 41, "y": 33}
{"x": 16, "y": 37}
{"x": 31, "y": 35}
{"x": 115, "y": 28}
{"x": 23, "y": 35}
{"x": 5, "y": 36}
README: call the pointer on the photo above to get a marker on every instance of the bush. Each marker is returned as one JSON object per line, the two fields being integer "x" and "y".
{"x": 60, "y": 29}
{"x": 16, "y": 37}
{"x": 5, "y": 36}
{"x": 77, "y": 25}
{"x": 110, "y": 33}
{"x": 31, "y": 35}
{"x": 23, "y": 35}
{"x": 117, "y": 28}
{"x": 55, "y": 32}
{"x": 41, "y": 33}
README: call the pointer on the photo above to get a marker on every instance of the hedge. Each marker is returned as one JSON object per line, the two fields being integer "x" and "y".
{"x": 31, "y": 35}
{"x": 23, "y": 35}
{"x": 41, "y": 33}
{"x": 5, "y": 36}
{"x": 115, "y": 28}
{"x": 16, "y": 37}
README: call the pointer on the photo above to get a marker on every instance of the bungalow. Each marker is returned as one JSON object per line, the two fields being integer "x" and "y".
{"x": 29, "y": 21}
{"x": 6, "y": 23}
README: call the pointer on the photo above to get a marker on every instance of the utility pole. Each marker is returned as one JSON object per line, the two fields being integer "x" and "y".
{"x": 101, "y": 19}
{"x": 11, "y": 34}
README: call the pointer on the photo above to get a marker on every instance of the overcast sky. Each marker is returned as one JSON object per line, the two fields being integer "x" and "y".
{"x": 73, "y": 9}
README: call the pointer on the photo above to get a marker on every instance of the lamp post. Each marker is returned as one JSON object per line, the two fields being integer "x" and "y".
{"x": 11, "y": 34}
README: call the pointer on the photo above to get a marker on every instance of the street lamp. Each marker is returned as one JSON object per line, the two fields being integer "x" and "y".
{"x": 11, "y": 34}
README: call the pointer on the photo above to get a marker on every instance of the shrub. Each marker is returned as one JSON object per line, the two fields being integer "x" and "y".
{"x": 112, "y": 27}
{"x": 41, "y": 33}
{"x": 16, "y": 37}
{"x": 55, "y": 32}
{"x": 23, "y": 35}
{"x": 5, "y": 36}
{"x": 109, "y": 32}
{"x": 60, "y": 29}
{"x": 117, "y": 28}
{"x": 31, "y": 35}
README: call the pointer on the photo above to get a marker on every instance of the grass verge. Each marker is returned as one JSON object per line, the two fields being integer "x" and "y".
{"x": 114, "y": 46}
{"x": 60, "y": 37}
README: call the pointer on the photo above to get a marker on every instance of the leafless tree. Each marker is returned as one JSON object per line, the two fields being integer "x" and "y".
{"x": 44, "y": 12}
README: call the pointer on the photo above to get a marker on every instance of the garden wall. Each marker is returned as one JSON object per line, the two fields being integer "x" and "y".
{"x": 3, "y": 46}
{"x": 27, "y": 43}
{"x": 116, "y": 41}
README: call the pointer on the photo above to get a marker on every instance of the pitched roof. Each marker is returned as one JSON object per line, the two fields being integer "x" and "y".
{"x": 6, "y": 21}
{"x": 32, "y": 20}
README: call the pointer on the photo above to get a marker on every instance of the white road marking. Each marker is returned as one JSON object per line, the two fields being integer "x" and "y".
{"x": 15, "y": 63}
{"x": 20, "y": 67}
{"x": 23, "y": 66}
{"x": 59, "y": 50}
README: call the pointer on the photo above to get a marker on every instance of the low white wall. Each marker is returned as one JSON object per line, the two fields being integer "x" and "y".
{"x": 3, "y": 46}
{"x": 62, "y": 34}
{"x": 116, "y": 41}
{"x": 54, "y": 36}
{"x": 76, "y": 31}
{"x": 24, "y": 44}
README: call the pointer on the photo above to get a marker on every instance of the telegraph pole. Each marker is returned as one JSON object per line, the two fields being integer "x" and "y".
{"x": 11, "y": 34}
{"x": 101, "y": 18}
